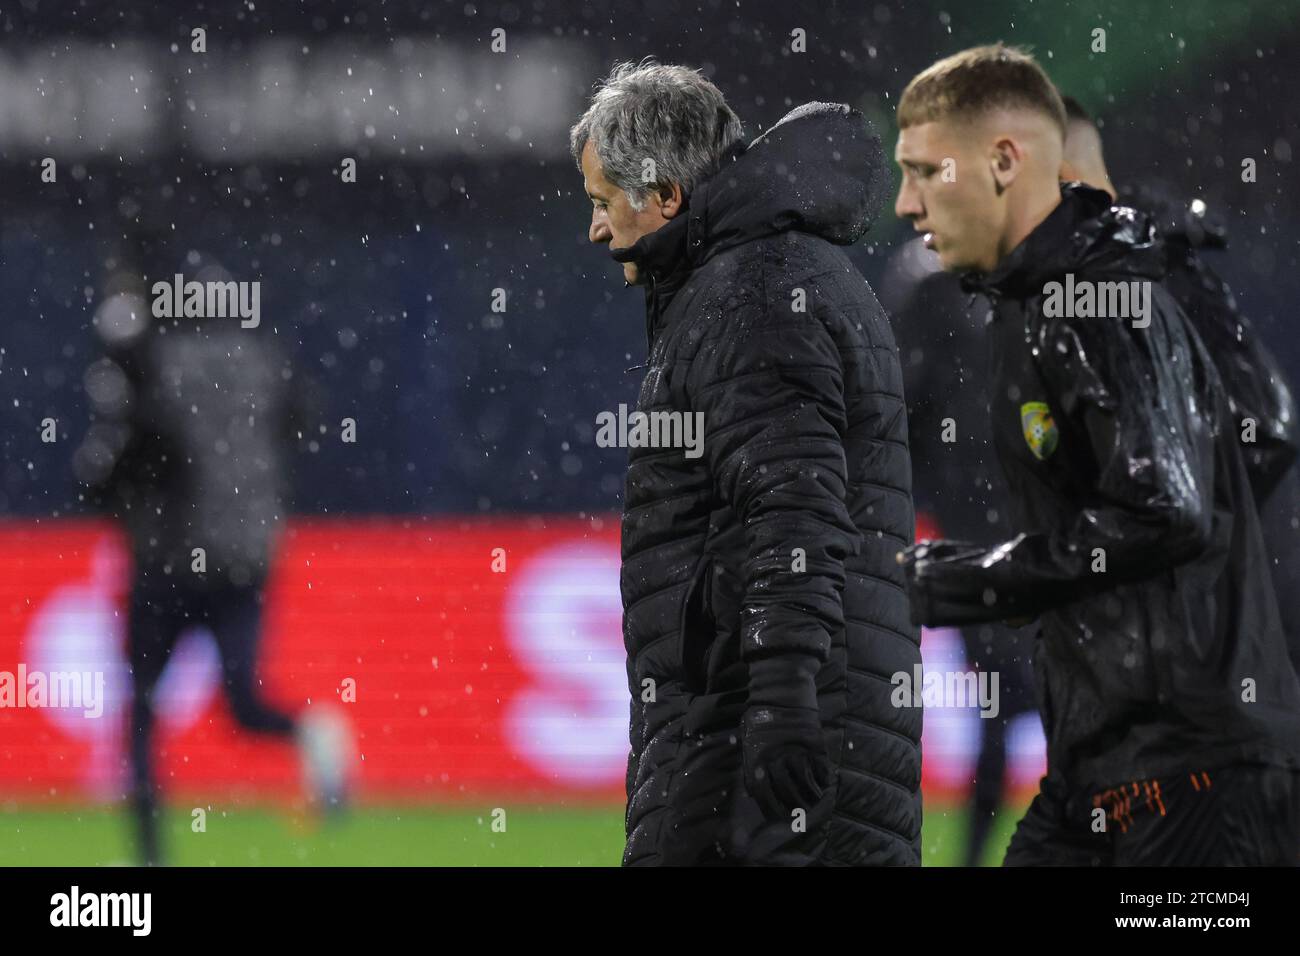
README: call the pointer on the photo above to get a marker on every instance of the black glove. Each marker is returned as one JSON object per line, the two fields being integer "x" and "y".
{"x": 786, "y": 764}
{"x": 923, "y": 555}
{"x": 952, "y": 582}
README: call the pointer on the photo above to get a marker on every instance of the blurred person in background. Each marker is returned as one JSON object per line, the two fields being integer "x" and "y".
{"x": 763, "y": 611}
{"x": 193, "y": 423}
{"x": 957, "y": 485}
{"x": 1258, "y": 390}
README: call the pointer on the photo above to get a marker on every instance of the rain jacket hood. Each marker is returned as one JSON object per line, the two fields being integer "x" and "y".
{"x": 1085, "y": 231}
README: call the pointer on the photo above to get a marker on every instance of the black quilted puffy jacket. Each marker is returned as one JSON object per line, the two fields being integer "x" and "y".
{"x": 780, "y": 540}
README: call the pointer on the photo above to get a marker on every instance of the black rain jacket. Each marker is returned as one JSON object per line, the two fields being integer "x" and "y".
{"x": 1260, "y": 398}
{"x": 1160, "y": 645}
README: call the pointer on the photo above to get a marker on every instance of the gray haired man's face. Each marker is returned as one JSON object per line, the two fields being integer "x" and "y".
{"x": 613, "y": 220}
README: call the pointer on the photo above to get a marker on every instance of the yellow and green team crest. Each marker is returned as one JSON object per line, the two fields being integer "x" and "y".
{"x": 1039, "y": 428}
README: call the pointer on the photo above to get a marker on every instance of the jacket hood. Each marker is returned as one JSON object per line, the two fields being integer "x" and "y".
{"x": 819, "y": 170}
{"x": 1084, "y": 232}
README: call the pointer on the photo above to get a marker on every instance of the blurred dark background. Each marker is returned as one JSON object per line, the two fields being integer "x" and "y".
{"x": 381, "y": 290}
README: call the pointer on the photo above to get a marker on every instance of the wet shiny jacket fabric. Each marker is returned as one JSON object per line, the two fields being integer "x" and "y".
{"x": 1137, "y": 540}
{"x": 1260, "y": 398}
{"x": 775, "y": 550}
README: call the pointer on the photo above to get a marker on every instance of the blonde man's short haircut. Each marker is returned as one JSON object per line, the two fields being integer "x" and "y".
{"x": 975, "y": 82}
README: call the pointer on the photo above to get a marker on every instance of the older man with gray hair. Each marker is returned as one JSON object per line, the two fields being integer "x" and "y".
{"x": 764, "y": 613}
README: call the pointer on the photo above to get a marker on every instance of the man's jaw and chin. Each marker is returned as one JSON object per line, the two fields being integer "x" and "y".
{"x": 928, "y": 241}
{"x": 947, "y": 261}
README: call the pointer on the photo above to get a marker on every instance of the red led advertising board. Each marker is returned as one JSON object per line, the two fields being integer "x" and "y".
{"x": 469, "y": 657}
